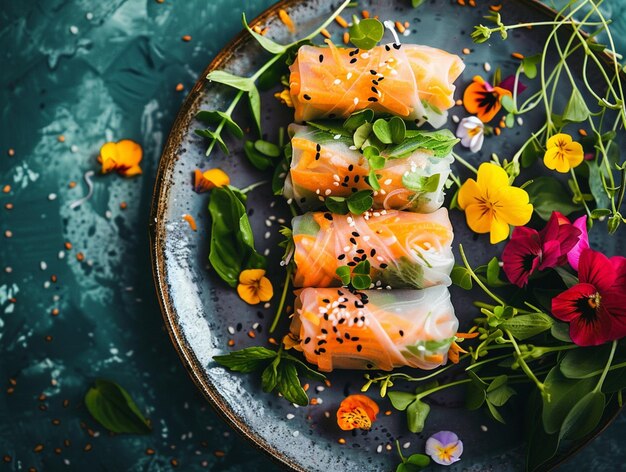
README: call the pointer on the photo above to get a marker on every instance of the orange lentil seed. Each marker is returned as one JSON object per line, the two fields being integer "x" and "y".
{"x": 273, "y": 341}
{"x": 68, "y": 245}
{"x": 495, "y": 7}
{"x": 80, "y": 256}
{"x": 58, "y": 450}
{"x": 66, "y": 403}
{"x": 341, "y": 21}
{"x": 8, "y": 233}
{"x": 388, "y": 412}
{"x": 472, "y": 3}
{"x": 88, "y": 447}
{"x": 42, "y": 397}
{"x": 252, "y": 334}
{"x": 341, "y": 441}
{"x": 324, "y": 32}
{"x": 466, "y": 50}
{"x": 56, "y": 422}
{"x": 365, "y": 14}
{"x": 461, "y": 2}
{"x": 459, "y": 102}
{"x": 286, "y": 19}
{"x": 61, "y": 138}
{"x": 38, "y": 448}
{"x": 48, "y": 339}
{"x": 305, "y": 387}
{"x": 497, "y": 131}
{"x": 231, "y": 342}
{"x": 313, "y": 401}
{"x": 150, "y": 452}
{"x": 582, "y": 132}
{"x": 174, "y": 463}
{"x": 346, "y": 37}
{"x": 219, "y": 453}
{"x": 67, "y": 443}
{"x": 10, "y": 390}
{"x": 53, "y": 279}
{"x": 517, "y": 55}
{"x": 11, "y": 152}
{"x": 123, "y": 205}
{"x": 7, "y": 459}
{"x": 8, "y": 206}
{"x": 180, "y": 87}
{"x": 6, "y": 188}
{"x": 186, "y": 38}
{"x": 55, "y": 312}
{"x": 400, "y": 27}
{"x": 72, "y": 184}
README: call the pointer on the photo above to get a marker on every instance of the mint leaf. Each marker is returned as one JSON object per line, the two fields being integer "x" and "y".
{"x": 246, "y": 360}
{"x": 289, "y": 384}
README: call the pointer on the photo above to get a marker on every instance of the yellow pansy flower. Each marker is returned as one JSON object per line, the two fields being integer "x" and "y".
{"x": 491, "y": 204}
{"x": 122, "y": 157}
{"x": 209, "y": 179}
{"x": 563, "y": 153}
{"x": 254, "y": 287}
{"x": 284, "y": 97}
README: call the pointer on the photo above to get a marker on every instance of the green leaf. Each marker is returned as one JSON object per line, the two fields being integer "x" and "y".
{"x": 541, "y": 446}
{"x": 366, "y": 34}
{"x": 112, "y": 407}
{"x": 440, "y": 143}
{"x": 419, "y": 460}
{"x": 372, "y": 179}
{"x": 256, "y": 158}
{"x": 584, "y": 417}
{"x": 267, "y": 148}
{"x": 255, "y": 106}
{"x": 215, "y": 117}
{"x": 510, "y": 119}
{"x": 576, "y": 110}
{"x": 266, "y": 43}
{"x": 417, "y": 3}
{"x": 375, "y": 160}
{"x": 207, "y": 133}
{"x": 476, "y": 394}
{"x": 581, "y": 363}
{"x": 337, "y": 205}
{"x": 531, "y": 153}
{"x": 361, "y": 134}
{"x": 343, "y": 272}
{"x": 508, "y": 104}
{"x": 566, "y": 276}
{"x": 461, "y": 277}
{"x": 416, "y": 414}
{"x": 303, "y": 368}
{"x": 560, "y": 331}
{"x": 357, "y": 119}
{"x": 361, "y": 201}
{"x": 419, "y": 183}
{"x": 596, "y": 186}
{"x": 240, "y": 83}
{"x": 269, "y": 378}
{"x": 232, "y": 242}
{"x": 493, "y": 274}
{"x": 548, "y": 195}
{"x": 600, "y": 213}
{"x": 361, "y": 282}
{"x": 397, "y": 129}
{"x": 529, "y": 65}
{"x": 246, "y": 360}
{"x": 498, "y": 392}
{"x": 280, "y": 172}
{"x": 494, "y": 412}
{"x": 382, "y": 131}
{"x": 362, "y": 268}
{"x": 401, "y": 400}
{"x": 526, "y": 326}
{"x": 289, "y": 384}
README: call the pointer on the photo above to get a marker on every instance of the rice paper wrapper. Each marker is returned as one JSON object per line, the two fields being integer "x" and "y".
{"x": 374, "y": 329}
{"x": 412, "y": 81}
{"x": 322, "y": 167}
{"x": 405, "y": 250}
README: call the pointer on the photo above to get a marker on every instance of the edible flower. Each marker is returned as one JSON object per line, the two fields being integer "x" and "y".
{"x": 444, "y": 447}
{"x": 595, "y": 307}
{"x": 254, "y": 287}
{"x": 508, "y": 83}
{"x": 356, "y": 411}
{"x": 530, "y": 250}
{"x": 209, "y": 179}
{"x": 122, "y": 157}
{"x": 284, "y": 97}
{"x": 483, "y": 99}
{"x": 562, "y": 153}
{"x": 472, "y": 133}
{"x": 491, "y": 204}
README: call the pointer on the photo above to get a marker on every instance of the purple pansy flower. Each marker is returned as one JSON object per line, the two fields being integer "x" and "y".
{"x": 444, "y": 447}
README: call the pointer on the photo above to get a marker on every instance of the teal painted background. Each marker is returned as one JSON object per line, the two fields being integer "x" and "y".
{"x": 92, "y": 72}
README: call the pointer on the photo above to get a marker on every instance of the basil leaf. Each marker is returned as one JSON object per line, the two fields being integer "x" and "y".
{"x": 366, "y": 34}
{"x": 401, "y": 400}
{"x": 584, "y": 417}
{"x": 419, "y": 183}
{"x": 246, "y": 360}
{"x": 266, "y": 43}
{"x": 306, "y": 370}
{"x": 289, "y": 384}
{"x": 357, "y": 119}
{"x": 359, "y": 202}
{"x": 269, "y": 377}
{"x": 112, "y": 407}
{"x": 240, "y": 83}
{"x": 382, "y": 131}
{"x": 416, "y": 414}
{"x": 461, "y": 277}
{"x": 232, "y": 242}
{"x": 215, "y": 117}
{"x": 336, "y": 205}
{"x": 256, "y": 158}
{"x": 548, "y": 195}
{"x": 267, "y": 148}
{"x": 439, "y": 142}
{"x": 526, "y": 326}
{"x": 397, "y": 129}
{"x": 255, "y": 106}
{"x": 576, "y": 110}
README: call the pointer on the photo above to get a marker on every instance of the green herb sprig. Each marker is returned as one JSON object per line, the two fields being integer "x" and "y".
{"x": 358, "y": 277}
{"x": 413, "y": 463}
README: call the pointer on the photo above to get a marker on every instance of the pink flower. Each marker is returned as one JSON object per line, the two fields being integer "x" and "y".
{"x": 509, "y": 83}
{"x": 530, "y": 250}
{"x": 596, "y": 306}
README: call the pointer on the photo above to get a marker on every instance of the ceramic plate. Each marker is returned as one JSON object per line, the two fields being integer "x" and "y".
{"x": 200, "y": 311}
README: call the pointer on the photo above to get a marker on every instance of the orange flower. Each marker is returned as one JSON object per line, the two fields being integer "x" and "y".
{"x": 122, "y": 157}
{"x": 254, "y": 287}
{"x": 356, "y": 411}
{"x": 483, "y": 99}
{"x": 209, "y": 179}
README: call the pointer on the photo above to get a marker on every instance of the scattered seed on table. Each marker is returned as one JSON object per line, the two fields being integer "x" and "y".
{"x": 341, "y": 441}
{"x": 186, "y": 38}
{"x": 487, "y": 67}
{"x": 180, "y": 87}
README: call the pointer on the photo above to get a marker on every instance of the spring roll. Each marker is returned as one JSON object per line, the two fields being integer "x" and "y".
{"x": 322, "y": 166}
{"x": 411, "y": 81}
{"x": 405, "y": 250}
{"x": 374, "y": 329}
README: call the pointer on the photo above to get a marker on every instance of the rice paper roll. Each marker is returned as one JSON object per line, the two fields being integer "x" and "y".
{"x": 405, "y": 250}
{"x": 322, "y": 166}
{"x": 411, "y": 81}
{"x": 374, "y": 329}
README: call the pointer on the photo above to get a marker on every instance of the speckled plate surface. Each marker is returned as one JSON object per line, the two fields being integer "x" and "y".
{"x": 200, "y": 310}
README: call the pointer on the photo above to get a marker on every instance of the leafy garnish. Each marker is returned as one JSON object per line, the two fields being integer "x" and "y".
{"x": 357, "y": 203}
{"x": 366, "y": 34}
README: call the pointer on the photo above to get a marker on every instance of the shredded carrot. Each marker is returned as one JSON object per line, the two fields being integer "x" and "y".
{"x": 495, "y": 7}
{"x": 341, "y": 21}
{"x": 287, "y": 21}
{"x": 582, "y": 132}
{"x": 346, "y": 37}
{"x": 325, "y": 33}
{"x": 400, "y": 27}
{"x": 313, "y": 401}
{"x": 272, "y": 341}
{"x": 256, "y": 29}
{"x": 497, "y": 131}
{"x": 517, "y": 55}
{"x": 192, "y": 223}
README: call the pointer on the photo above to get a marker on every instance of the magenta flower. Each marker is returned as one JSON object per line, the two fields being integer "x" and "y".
{"x": 529, "y": 250}
{"x": 583, "y": 242}
{"x": 509, "y": 83}
{"x": 595, "y": 307}
{"x": 444, "y": 447}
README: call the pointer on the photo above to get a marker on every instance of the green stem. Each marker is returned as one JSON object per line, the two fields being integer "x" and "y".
{"x": 606, "y": 368}
{"x": 400, "y": 452}
{"x": 524, "y": 365}
{"x": 465, "y": 163}
{"x": 251, "y": 187}
{"x": 283, "y": 296}
{"x": 580, "y": 193}
{"x": 476, "y": 279}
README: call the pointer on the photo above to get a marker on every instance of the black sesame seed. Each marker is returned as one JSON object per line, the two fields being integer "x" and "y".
{"x": 340, "y": 293}
{"x": 339, "y": 340}
{"x": 356, "y": 259}
{"x": 346, "y": 178}
{"x": 369, "y": 366}
{"x": 355, "y": 234}
{"x": 353, "y": 60}
{"x": 363, "y": 257}
{"x": 354, "y": 190}
{"x": 306, "y": 97}
{"x": 328, "y": 216}
{"x": 401, "y": 333}
{"x": 307, "y": 340}
{"x": 372, "y": 99}
{"x": 383, "y": 266}
{"x": 317, "y": 156}
{"x": 341, "y": 321}
{"x": 324, "y": 331}
{"x": 355, "y": 338}
{"x": 375, "y": 82}
{"x": 396, "y": 45}
{"x": 302, "y": 200}
{"x": 373, "y": 72}
{"x": 356, "y": 178}
{"x": 347, "y": 335}
{"x": 239, "y": 326}
{"x": 356, "y": 319}
{"x": 321, "y": 58}
{"x": 351, "y": 264}
{"x": 380, "y": 79}
{"x": 387, "y": 48}
{"x": 316, "y": 352}
{"x": 321, "y": 342}
{"x": 358, "y": 348}
{"x": 325, "y": 300}
{"x": 341, "y": 257}
{"x": 323, "y": 350}
{"x": 335, "y": 329}
{"x": 325, "y": 316}
{"x": 360, "y": 251}
{"x": 373, "y": 252}
{"x": 318, "y": 148}
{"x": 353, "y": 241}
{"x": 373, "y": 89}
{"x": 343, "y": 184}
{"x": 350, "y": 167}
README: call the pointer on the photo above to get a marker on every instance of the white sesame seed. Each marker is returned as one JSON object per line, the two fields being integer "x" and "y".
{"x": 388, "y": 447}
{"x": 319, "y": 401}
{"x": 8, "y": 269}
{"x": 290, "y": 416}
{"x": 289, "y": 201}
{"x": 356, "y": 100}
{"x": 455, "y": 118}
{"x": 387, "y": 182}
{"x": 336, "y": 177}
{"x": 394, "y": 72}
{"x": 89, "y": 16}
{"x": 346, "y": 248}
{"x": 46, "y": 284}
{"x": 327, "y": 414}
{"x": 268, "y": 223}
{"x": 74, "y": 29}
{"x": 61, "y": 255}
{"x": 352, "y": 148}
{"x": 266, "y": 252}
{"x": 337, "y": 81}
{"x": 43, "y": 265}
{"x": 483, "y": 428}
{"x": 271, "y": 218}
{"x": 52, "y": 196}
{"x": 337, "y": 136}
{"x": 320, "y": 198}
{"x": 231, "y": 330}
{"x": 365, "y": 56}
{"x": 319, "y": 389}
{"x": 327, "y": 191}
{"x": 349, "y": 76}
{"x": 281, "y": 221}
{"x": 487, "y": 67}
{"x": 379, "y": 449}
{"x": 520, "y": 121}
{"x": 255, "y": 325}
{"x": 406, "y": 445}
{"x": 266, "y": 305}
{"x": 295, "y": 434}
{"x": 267, "y": 235}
